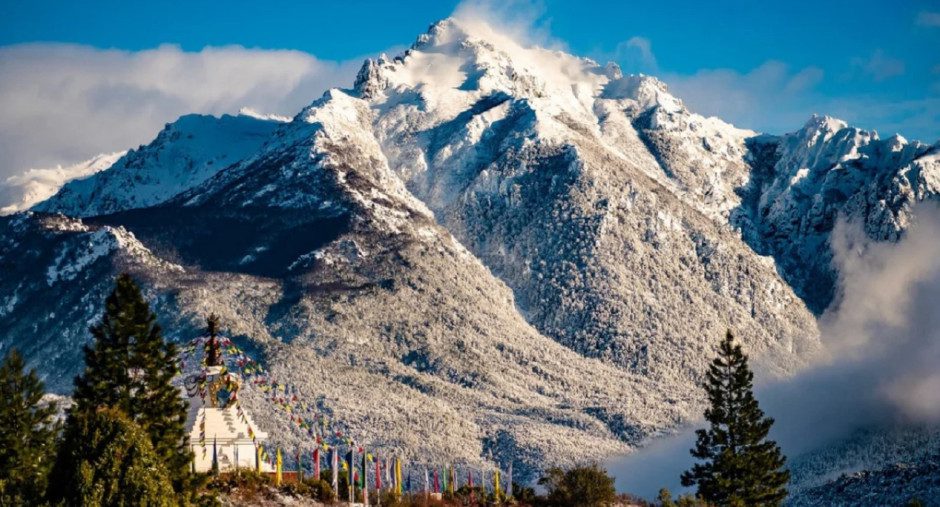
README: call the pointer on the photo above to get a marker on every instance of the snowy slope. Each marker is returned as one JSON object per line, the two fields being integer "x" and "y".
{"x": 387, "y": 306}
{"x": 184, "y": 154}
{"x": 337, "y": 245}
{"x": 803, "y": 180}
{"x": 56, "y": 271}
{"x": 21, "y": 192}
{"x": 871, "y": 467}
{"x": 542, "y": 164}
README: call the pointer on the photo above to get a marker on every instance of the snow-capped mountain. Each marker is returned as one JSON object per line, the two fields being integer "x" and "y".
{"x": 21, "y": 192}
{"x": 377, "y": 311}
{"x": 480, "y": 246}
{"x": 536, "y": 161}
{"x": 802, "y": 181}
{"x": 184, "y": 154}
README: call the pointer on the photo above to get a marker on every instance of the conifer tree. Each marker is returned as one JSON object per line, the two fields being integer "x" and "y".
{"x": 130, "y": 367}
{"x": 107, "y": 459}
{"x": 27, "y": 433}
{"x": 739, "y": 465}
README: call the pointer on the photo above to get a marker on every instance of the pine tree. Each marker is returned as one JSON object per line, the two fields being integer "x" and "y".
{"x": 130, "y": 367}
{"x": 107, "y": 459}
{"x": 739, "y": 465}
{"x": 27, "y": 433}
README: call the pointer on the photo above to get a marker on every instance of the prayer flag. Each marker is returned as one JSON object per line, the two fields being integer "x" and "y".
{"x": 277, "y": 470}
{"x": 496, "y": 488}
{"x": 509, "y": 480}
{"x": 398, "y": 475}
{"x": 363, "y": 480}
{"x": 316, "y": 463}
{"x": 335, "y": 466}
{"x": 378, "y": 475}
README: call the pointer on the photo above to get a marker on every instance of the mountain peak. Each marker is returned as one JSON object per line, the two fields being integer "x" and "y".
{"x": 647, "y": 91}
{"x": 465, "y": 30}
{"x": 459, "y": 60}
{"x": 824, "y": 124}
{"x": 443, "y": 30}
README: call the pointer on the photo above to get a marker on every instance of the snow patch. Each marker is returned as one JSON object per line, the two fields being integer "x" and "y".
{"x": 251, "y": 113}
{"x": 70, "y": 262}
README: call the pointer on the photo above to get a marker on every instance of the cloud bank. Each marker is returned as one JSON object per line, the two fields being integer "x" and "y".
{"x": 64, "y": 103}
{"x": 883, "y": 340}
{"x": 746, "y": 98}
{"x": 886, "y": 319}
{"x": 879, "y": 66}
{"x": 777, "y": 98}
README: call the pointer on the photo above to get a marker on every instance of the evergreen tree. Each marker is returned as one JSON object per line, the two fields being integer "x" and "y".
{"x": 130, "y": 367}
{"x": 106, "y": 459}
{"x": 27, "y": 433}
{"x": 739, "y": 465}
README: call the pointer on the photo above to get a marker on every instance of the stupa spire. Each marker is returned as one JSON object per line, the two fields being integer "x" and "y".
{"x": 214, "y": 410}
{"x": 213, "y": 357}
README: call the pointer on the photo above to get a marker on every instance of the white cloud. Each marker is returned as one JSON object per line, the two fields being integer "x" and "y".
{"x": 914, "y": 118}
{"x": 879, "y": 66}
{"x": 635, "y": 55}
{"x": 883, "y": 339}
{"x": 771, "y": 97}
{"x": 775, "y": 98}
{"x": 886, "y": 312}
{"x": 519, "y": 20}
{"x": 926, "y": 18}
{"x": 63, "y": 103}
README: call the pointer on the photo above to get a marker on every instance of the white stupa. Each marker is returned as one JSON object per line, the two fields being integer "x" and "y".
{"x": 214, "y": 424}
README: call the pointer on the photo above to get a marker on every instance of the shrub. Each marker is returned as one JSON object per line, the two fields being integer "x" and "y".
{"x": 580, "y": 486}
{"x": 240, "y": 479}
{"x": 524, "y": 494}
{"x": 319, "y": 489}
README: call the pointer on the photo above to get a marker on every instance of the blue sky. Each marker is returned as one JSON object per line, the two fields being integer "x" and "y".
{"x": 760, "y": 65}
{"x": 687, "y": 36}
